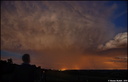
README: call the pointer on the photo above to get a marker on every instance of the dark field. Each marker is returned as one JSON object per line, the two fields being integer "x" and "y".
{"x": 7, "y": 71}
{"x": 85, "y": 75}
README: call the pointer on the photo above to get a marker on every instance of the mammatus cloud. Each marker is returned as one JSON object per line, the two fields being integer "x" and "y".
{"x": 119, "y": 41}
{"x": 57, "y": 25}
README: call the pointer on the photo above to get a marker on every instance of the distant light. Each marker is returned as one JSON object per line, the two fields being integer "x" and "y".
{"x": 63, "y": 69}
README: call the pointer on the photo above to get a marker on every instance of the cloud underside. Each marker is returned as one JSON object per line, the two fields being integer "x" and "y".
{"x": 55, "y": 25}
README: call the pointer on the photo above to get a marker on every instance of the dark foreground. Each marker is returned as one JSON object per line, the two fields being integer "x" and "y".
{"x": 7, "y": 72}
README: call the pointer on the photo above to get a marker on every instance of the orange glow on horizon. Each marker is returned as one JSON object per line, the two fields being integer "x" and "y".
{"x": 63, "y": 69}
{"x": 76, "y": 61}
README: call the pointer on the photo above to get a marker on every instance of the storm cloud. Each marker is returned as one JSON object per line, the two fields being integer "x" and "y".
{"x": 119, "y": 41}
{"x": 30, "y": 25}
{"x": 60, "y": 34}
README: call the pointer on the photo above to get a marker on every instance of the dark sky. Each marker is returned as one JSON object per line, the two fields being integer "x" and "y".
{"x": 65, "y": 34}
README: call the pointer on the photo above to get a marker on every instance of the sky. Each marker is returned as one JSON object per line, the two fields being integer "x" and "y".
{"x": 65, "y": 34}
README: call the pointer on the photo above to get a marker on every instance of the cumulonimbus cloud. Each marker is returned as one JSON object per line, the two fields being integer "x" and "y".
{"x": 29, "y": 26}
{"x": 119, "y": 41}
{"x": 49, "y": 25}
